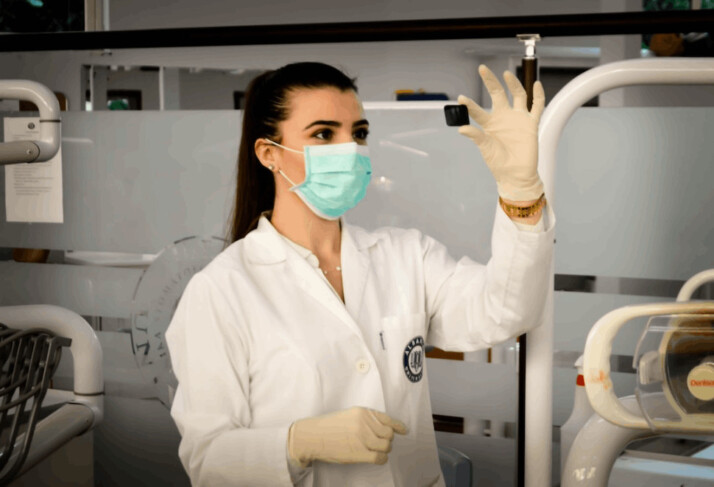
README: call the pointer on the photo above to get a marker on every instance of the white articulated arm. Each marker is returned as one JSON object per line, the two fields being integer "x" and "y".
{"x": 596, "y": 358}
{"x": 693, "y": 283}
{"x": 48, "y": 144}
{"x": 85, "y": 348}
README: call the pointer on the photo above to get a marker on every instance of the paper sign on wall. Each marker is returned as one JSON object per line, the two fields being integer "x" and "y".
{"x": 33, "y": 191}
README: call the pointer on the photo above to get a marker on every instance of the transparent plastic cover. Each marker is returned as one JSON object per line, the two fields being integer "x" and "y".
{"x": 675, "y": 372}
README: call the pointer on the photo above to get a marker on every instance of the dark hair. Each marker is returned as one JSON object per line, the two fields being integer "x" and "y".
{"x": 266, "y": 105}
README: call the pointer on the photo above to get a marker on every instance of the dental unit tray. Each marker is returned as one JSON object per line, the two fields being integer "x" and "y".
{"x": 28, "y": 360}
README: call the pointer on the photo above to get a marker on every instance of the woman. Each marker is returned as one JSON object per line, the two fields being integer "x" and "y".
{"x": 299, "y": 349}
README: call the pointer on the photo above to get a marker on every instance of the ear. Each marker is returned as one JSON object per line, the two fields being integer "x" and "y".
{"x": 265, "y": 152}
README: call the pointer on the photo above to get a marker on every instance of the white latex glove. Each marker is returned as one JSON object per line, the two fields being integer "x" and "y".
{"x": 509, "y": 137}
{"x": 355, "y": 435}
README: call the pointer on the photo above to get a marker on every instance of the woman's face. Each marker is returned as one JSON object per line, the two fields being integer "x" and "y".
{"x": 318, "y": 116}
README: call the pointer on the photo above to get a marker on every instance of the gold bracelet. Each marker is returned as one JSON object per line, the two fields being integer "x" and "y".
{"x": 523, "y": 211}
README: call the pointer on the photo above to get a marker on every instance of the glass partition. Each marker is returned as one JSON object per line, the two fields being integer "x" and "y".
{"x": 632, "y": 201}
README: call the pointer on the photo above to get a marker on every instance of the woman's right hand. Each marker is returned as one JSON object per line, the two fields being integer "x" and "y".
{"x": 355, "y": 435}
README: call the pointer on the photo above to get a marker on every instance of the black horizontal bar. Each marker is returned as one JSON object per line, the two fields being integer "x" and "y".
{"x": 386, "y": 31}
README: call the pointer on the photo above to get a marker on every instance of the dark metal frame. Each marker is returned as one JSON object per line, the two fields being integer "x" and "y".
{"x": 384, "y": 31}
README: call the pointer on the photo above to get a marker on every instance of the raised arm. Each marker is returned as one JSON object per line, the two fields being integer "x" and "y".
{"x": 472, "y": 306}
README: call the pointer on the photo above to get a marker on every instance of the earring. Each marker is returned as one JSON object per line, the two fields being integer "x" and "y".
{"x": 272, "y": 168}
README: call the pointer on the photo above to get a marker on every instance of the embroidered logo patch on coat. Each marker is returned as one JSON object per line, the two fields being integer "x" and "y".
{"x": 413, "y": 358}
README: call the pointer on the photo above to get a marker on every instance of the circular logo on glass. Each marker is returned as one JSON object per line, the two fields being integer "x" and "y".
{"x": 156, "y": 298}
{"x": 414, "y": 358}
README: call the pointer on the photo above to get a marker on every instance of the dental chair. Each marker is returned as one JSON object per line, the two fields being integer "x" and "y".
{"x": 37, "y": 420}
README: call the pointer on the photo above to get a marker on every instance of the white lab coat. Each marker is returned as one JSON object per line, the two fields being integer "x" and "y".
{"x": 259, "y": 339}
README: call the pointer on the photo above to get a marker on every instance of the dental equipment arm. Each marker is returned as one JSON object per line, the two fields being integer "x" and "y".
{"x": 46, "y": 147}
{"x": 85, "y": 348}
{"x": 693, "y": 283}
{"x": 596, "y": 363}
{"x": 597, "y": 446}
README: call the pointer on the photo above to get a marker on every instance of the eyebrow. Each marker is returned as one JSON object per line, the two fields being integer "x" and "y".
{"x": 332, "y": 123}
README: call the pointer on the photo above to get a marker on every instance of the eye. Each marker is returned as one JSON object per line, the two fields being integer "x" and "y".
{"x": 361, "y": 134}
{"x": 324, "y": 134}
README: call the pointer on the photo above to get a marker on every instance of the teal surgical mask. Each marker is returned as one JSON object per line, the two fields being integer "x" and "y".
{"x": 336, "y": 177}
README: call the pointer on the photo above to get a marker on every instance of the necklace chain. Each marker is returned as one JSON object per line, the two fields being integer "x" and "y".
{"x": 338, "y": 269}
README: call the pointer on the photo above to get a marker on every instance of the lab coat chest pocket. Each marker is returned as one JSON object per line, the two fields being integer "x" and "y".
{"x": 403, "y": 347}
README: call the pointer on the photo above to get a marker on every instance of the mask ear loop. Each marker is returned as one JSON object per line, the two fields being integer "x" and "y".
{"x": 272, "y": 167}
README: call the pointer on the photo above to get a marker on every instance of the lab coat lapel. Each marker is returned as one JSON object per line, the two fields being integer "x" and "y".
{"x": 311, "y": 282}
{"x": 267, "y": 247}
{"x": 355, "y": 271}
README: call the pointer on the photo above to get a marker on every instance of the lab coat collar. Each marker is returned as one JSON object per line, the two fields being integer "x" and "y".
{"x": 355, "y": 268}
{"x": 266, "y": 246}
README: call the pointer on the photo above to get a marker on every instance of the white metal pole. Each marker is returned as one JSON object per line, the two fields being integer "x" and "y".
{"x": 539, "y": 365}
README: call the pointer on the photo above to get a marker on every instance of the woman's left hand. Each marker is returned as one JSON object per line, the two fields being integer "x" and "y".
{"x": 508, "y": 138}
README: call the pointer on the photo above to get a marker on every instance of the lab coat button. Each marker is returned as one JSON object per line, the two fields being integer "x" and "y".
{"x": 363, "y": 366}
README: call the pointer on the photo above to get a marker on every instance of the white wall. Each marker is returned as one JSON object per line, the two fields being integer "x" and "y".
{"x": 211, "y": 90}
